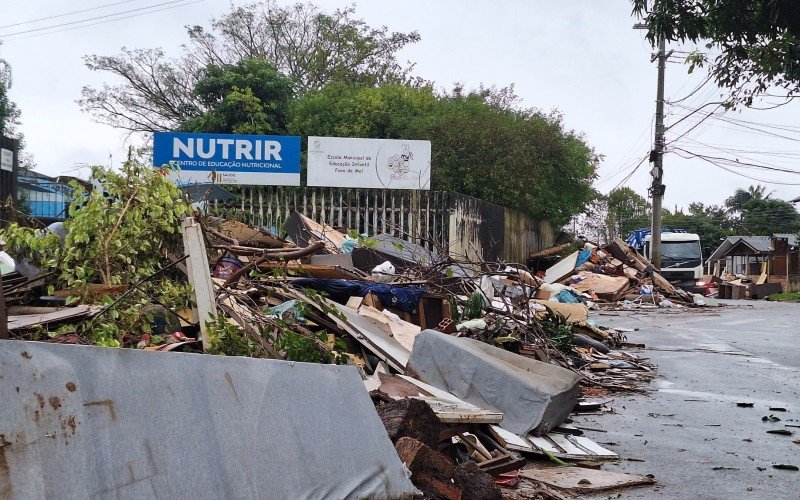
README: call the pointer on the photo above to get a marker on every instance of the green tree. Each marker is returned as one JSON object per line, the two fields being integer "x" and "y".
{"x": 741, "y": 196}
{"x": 312, "y": 47}
{"x": 482, "y": 145}
{"x": 768, "y": 216}
{"x": 626, "y": 212}
{"x": 249, "y": 97}
{"x": 9, "y": 113}
{"x": 710, "y": 222}
{"x": 758, "y": 40}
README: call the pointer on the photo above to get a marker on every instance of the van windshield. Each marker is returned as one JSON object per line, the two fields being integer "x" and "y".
{"x": 680, "y": 254}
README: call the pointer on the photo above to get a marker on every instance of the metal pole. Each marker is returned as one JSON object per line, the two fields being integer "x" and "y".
{"x": 657, "y": 187}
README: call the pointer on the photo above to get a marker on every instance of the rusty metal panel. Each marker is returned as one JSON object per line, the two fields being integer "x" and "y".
{"x": 81, "y": 422}
{"x": 484, "y": 231}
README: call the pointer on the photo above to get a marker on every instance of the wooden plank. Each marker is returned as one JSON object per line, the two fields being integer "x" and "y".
{"x": 199, "y": 276}
{"x": 510, "y": 440}
{"x": 572, "y": 447}
{"x": 561, "y": 269}
{"x": 563, "y": 442}
{"x": 402, "y": 331}
{"x": 21, "y": 322}
{"x": 545, "y": 445}
{"x": 595, "y": 448}
{"x": 451, "y": 409}
{"x": 579, "y": 479}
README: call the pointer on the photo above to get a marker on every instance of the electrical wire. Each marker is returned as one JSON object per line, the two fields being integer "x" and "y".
{"x": 66, "y": 14}
{"x": 91, "y": 19}
{"x": 102, "y": 22}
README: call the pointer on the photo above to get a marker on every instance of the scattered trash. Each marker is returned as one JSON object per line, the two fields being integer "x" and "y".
{"x": 782, "y": 432}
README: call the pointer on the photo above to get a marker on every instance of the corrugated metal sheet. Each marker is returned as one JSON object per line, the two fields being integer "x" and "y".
{"x": 80, "y": 422}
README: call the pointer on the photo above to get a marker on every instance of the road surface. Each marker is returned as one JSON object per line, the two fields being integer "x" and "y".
{"x": 689, "y": 432}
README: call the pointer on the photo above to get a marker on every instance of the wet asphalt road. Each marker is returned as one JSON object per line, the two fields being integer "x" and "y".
{"x": 689, "y": 432}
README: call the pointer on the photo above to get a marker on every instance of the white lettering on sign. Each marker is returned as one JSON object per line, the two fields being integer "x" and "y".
{"x": 243, "y": 149}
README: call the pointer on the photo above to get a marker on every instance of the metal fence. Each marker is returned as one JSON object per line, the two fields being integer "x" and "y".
{"x": 419, "y": 216}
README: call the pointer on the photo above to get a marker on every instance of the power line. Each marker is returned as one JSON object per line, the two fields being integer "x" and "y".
{"x": 104, "y": 22}
{"x": 717, "y": 164}
{"x": 90, "y": 19}
{"x": 66, "y": 14}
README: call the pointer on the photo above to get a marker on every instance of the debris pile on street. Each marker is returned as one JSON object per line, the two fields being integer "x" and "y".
{"x": 614, "y": 277}
{"x": 473, "y": 367}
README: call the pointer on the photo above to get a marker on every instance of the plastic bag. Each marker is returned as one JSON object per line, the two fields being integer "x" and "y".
{"x": 383, "y": 273}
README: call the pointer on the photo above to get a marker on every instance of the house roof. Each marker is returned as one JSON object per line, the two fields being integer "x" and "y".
{"x": 758, "y": 244}
{"x": 788, "y": 236}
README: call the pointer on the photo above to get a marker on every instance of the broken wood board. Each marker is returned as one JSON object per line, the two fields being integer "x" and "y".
{"x": 20, "y": 322}
{"x": 573, "y": 313}
{"x": 247, "y": 235}
{"x": 402, "y": 331}
{"x": 304, "y": 231}
{"x": 571, "y": 447}
{"x": 449, "y": 409}
{"x": 294, "y": 269}
{"x": 609, "y": 288}
{"x": 581, "y": 480}
{"x": 563, "y": 446}
{"x": 511, "y": 441}
{"x": 625, "y": 253}
{"x": 561, "y": 269}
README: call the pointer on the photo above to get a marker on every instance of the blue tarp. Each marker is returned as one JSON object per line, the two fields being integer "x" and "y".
{"x": 405, "y": 298}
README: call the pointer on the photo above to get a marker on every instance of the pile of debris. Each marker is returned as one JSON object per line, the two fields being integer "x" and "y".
{"x": 614, "y": 277}
{"x": 473, "y": 367}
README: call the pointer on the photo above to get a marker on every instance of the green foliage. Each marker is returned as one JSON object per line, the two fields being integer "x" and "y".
{"x": 765, "y": 217}
{"x": 558, "y": 330}
{"x": 758, "y": 40}
{"x": 474, "y": 307}
{"x": 785, "y": 297}
{"x": 484, "y": 146}
{"x": 711, "y": 223}
{"x": 116, "y": 235}
{"x": 626, "y": 212}
{"x": 311, "y": 47}
{"x": 9, "y": 113}
{"x": 225, "y": 338}
{"x": 249, "y": 97}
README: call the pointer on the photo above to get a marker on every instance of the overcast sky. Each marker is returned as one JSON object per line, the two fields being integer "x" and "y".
{"x": 581, "y": 57}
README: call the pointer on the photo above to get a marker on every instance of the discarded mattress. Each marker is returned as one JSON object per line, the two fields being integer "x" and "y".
{"x": 81, "y": 422}
{"x": 533, "y": 396}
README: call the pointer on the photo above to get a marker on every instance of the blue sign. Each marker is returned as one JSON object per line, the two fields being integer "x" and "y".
{"x": 267, "y": 160}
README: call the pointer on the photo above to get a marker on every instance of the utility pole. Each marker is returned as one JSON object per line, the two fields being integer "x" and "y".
{"x": 657, "y": 158}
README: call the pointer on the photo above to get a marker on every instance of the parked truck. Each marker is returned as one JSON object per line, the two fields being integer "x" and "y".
{"x": 681, "y": 254}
